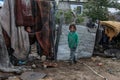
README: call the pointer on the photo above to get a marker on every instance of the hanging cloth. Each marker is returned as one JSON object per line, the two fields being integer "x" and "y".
{"x": 43, "y": 36}
{"x": 26, "y": 13}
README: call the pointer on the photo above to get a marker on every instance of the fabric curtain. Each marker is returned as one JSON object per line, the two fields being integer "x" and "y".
{"x": 18, "y": 36}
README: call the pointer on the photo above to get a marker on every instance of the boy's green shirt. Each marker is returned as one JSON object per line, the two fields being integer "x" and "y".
{"x": 73, "y": 39}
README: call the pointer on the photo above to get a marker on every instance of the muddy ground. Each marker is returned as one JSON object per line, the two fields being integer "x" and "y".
{"x": 109, "y": 68}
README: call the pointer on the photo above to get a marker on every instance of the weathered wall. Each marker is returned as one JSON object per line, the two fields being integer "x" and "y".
{"x": 86, "y": 43}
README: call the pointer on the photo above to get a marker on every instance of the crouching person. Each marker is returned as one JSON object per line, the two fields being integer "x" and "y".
{"x": 73, "y": 43}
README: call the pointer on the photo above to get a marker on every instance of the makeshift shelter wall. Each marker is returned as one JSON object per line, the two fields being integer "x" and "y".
{"x": 38, "y": 17}
{"x": 5, "y": 64}
{"x": 4, "y": 59}
{"x": 19, "y": 37}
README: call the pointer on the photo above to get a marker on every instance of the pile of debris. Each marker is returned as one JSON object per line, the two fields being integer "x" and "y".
{"x": 108, "y": 39}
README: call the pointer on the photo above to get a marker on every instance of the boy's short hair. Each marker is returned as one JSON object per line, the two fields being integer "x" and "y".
{"x": 72, "y": 25}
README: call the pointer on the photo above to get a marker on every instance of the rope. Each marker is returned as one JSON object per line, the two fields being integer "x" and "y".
{"x": 95, "y": 72}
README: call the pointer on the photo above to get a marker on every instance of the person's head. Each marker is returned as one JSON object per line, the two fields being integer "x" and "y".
{"x": 28, "y": 29}
{"x": 72, "y": 28}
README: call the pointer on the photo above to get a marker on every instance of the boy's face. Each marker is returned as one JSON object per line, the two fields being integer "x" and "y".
{"x": 72, "y": 29}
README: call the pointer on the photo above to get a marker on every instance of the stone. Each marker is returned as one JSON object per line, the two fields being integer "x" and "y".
{"x": 93, "y": 59}
{"x": 32, "y": 76}
{"x": 38, "y": 57}
{"x": 49, "y": 64}
{"x": 100, "y": 64}
{"x": 43, "y": 58}
{"x": 33, "y": 66}
{"x": 14, "y": 78}
{"x": 98, "y": 58}
{"x": 4, "y": 76}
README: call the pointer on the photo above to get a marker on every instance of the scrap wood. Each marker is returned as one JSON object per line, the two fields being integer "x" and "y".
{"x": 95, "y": 72}
{"x": 32, "y": 76}
{"x": 49, "y": 64}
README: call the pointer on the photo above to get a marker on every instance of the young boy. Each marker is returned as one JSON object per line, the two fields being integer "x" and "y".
{"x": 72, "y": 42}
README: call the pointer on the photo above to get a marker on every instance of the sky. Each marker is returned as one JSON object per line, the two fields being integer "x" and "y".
{"x": 119, "y": 1}
{"x": 113, "y": 10}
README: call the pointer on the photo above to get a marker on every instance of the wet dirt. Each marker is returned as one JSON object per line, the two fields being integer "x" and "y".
{"x": 110, "y": 69}
{"x": 107, "y": 67}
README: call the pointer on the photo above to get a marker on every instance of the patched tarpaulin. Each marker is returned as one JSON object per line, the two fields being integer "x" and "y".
{"x": 19, "y": 40}
{"x": 27, "y": 13}
{"x": 43, "y": 36}
{"x": 18, "y": 36}
{"x": 5, "y": 64}
{"x": 37, "y": 14}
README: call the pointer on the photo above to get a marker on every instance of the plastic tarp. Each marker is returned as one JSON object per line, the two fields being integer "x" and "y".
{"x": 18, "y": 37}
{"x": 112, "y": 28}
{"x": 5, "y": 64}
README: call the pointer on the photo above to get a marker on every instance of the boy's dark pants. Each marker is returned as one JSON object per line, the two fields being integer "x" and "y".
{"x": 72, "y": 55}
